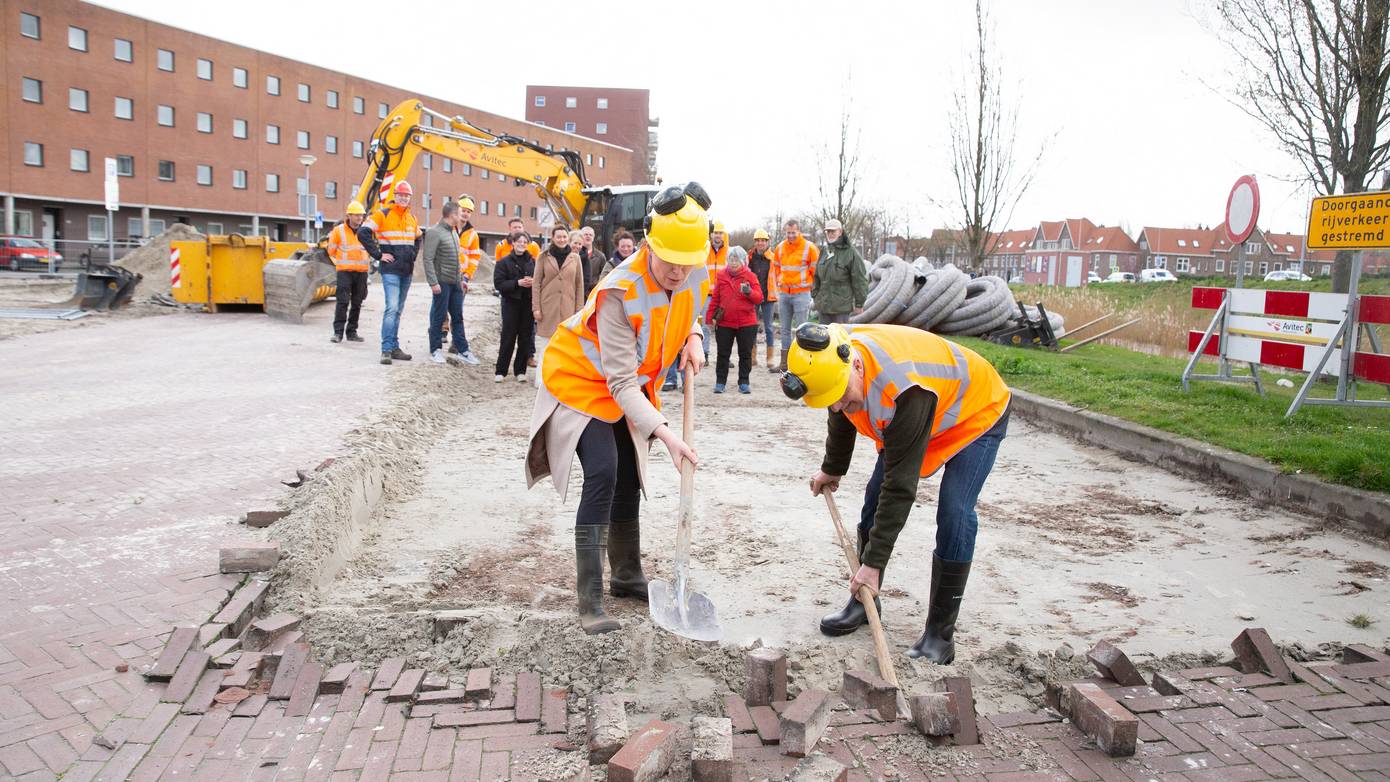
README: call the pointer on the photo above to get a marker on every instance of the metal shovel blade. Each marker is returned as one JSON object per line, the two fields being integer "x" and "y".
{"x": 684, "y": 612}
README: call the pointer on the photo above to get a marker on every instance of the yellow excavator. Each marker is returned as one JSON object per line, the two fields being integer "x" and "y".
{"x": 285, "y": 277}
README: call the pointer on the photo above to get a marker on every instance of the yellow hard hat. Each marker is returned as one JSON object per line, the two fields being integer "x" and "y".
{"x": 818, "y": 365}
{"x": 718, "y": 227}
{"x": 466, "y": 203}
{"x": 761, "y": 234}
{"x": 356, "y": 208}
{"x": 680, "y": 235}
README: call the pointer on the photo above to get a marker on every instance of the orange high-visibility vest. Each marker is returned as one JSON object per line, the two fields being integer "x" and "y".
{"x": 573, "y": 371}
{"x": 717, "y": 260}
{"x": 394, "y": 225}
{"x": 794, "y": 265}
{"x": 347, "y": 252}
{"x": 970, "y": 394}
{"x": 469, "y": 252}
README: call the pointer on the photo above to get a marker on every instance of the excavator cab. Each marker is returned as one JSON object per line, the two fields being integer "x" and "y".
{"x": 610, "y": 209}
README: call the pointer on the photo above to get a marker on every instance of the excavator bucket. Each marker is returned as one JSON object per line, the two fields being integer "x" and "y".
{"x": 292, "y": 284}
{"x": 103, "y": 287}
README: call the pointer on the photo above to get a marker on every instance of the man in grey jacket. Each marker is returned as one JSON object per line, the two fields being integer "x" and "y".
{"x": 441, "y": 259}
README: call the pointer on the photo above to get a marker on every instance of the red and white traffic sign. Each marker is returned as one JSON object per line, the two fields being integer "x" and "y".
{"x": 1242, "y": 209}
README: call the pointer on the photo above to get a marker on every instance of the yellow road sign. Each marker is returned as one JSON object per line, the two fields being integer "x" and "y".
{"x": 1359, "y": 221}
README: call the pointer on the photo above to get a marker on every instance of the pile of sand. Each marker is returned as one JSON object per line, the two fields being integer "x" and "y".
{"x": 152, "y": 259}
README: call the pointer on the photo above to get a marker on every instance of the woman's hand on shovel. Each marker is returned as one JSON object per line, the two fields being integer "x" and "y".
{"x": 866, "y": 576}
{"x": 677, "y": 447}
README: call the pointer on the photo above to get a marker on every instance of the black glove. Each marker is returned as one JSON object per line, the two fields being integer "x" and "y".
{"x": 745, "y": 289}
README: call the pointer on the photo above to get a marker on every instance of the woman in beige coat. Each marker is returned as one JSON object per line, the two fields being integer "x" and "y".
{"x": 558, "y": 290}
{"x": 600, "y": 399}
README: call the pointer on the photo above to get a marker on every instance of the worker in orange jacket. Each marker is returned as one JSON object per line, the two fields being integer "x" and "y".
{"x": 793, "y": 271}
{"x": 350, "y": 259}
{"x": 392, "y": 237}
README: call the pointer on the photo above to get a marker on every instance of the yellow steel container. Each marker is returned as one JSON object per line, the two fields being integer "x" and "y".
{"x": 224, "y": 269}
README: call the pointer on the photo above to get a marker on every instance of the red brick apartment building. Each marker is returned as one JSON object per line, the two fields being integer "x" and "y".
{"x": 1065, "y": 252}
{"x": 210, "y": 133}
{"x": 618, "y": 116}
{"x": 1206, "y": 252}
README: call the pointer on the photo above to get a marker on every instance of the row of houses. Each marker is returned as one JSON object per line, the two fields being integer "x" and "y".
{"x": 1065, "y": 252}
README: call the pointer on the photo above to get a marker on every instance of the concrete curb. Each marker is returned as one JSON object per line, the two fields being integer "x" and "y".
{"x": 1262, "y": 481}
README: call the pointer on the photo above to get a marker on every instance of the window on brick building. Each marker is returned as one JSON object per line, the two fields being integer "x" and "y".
{"x": 331, "y": 99}
{"x": 483, "y": 172}
{"x": 571, "y": 103}
{"x": 125, "y": 165}
{"x": 33, "y": 153}
{"x": 77, "y": 39}
{"x": 482, "y": 208}
{"x": 1252, "y": 247}
{"x": 1264, "y": 268}
{"x": 601, "y": 103}
{"x": 569, "y": 127}
{"x": 272, "y": 183}
{"x": 240, "y": 78}
{"x": 540, "y": 101}
{"x": 80, "y": 160}
{"x": 165, "y": 116}
{"x": 125, "y": 108}
{"x": 29, "y": 25}
{"x": 164, "y": 60}
{"x": 359, "y": 105}
{"x": 448, "y": 166}
{"x": 123, "y": 50}
{"x": 240, "y": 129}
{"x": 205, "y": 175}
{"x": 1184, "y": 265}
{"x": 77, "y": 99}
{"x": 96, "y": 228}
{"x": 601, "y": 128}
{"x": 1249, "y": 267}
{"x": 166, "y": 170}
{"x": 601, "y": 161}
{"x": 501, "y": 208}
{"x": 381, "y": 110}
{"x": 272, "y": 85}
{"x": 589, "y": 159}
{"x": 301, "y": 139}
{"x": 467, "y": 169}
{"x": 204, "y": 69}
{"x": 330, "y": 144}
{"x": 215, "y": 229}
{"x": 330, "y": 190}
{"x": 1221, "y": 264}
{"x": 239, "y": 179}
{"x": 204, "y": 122}
{"x": 33, "y": 89}
{"x": 272, "y": 134}
{"x": 357, "y": 149}
{"x": 304, "y": 93}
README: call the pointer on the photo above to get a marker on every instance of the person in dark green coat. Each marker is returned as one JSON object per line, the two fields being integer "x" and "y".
{"x": 841, "y": 284}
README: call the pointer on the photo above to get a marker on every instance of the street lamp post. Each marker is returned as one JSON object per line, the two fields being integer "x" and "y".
{"x": 306, "y": 160}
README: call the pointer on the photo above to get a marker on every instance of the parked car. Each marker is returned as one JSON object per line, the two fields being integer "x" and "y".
{"x": 1119, "y": 277}
{"x": 1017, "y": 279}
{"x": 20, "y": 252}
{"x": 1156, "y": 275}
{"x": 1092, "y": 277}
{"x": 1287, "y": 275}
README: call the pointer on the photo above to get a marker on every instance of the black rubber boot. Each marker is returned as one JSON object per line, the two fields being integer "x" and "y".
{"x": 937, "y": 643}
{"x": 590, "y": 540}
{"x": 336, "y": 338}
{"x": 352, "y": 337}
{"x": 852, "y": 616}
{"x": 626, "y": 578}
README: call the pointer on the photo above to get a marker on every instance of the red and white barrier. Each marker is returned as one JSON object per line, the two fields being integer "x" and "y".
{"x": 175, "y": 269}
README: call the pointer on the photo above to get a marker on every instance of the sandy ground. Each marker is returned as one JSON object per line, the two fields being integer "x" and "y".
{"x": 30, "y": 291}
{"x": 1075, "y": 545}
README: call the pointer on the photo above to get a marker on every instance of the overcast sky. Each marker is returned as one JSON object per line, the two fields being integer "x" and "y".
{"x": 1129, "y": 91}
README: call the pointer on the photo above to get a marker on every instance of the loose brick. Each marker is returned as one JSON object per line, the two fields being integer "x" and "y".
{"x": 211, "y": 631}
{"x": 248, "y": 557}
{"x": 1170, "y": 683}
{"x": 1114, "y": 664}
{"x": 737, "y": 712}
{"x": 242, "y": 606}
{"x": 1244, "y": 681}
{"x": 607, "y": 725}
{"x": 1363, "y": 670}
{"x": 434, "y": 682}
{"x": 1198, "y": 674}
{"x": 444, "y": 622}
{"x": 478, "y": 685}
{"x": 932, "y": 713}
{"x": 767, "y": 723}
{"x": 441, "y": 697}
{"x": 864, "y": 690}
{"x": 185, "y": 679}
{"x": 336, "y": 679}
{"x": 259, "y": 519}
{"x": 1361, "y": 653}
{"x": 1284, "y": 692}
{"x": 180, "y": 641}
{"x": 388, "y": 673}
{"x": 647, "y": 755}
{"x": 1104, "y": 720}
{"x": 967, "y": 729}
{"x": 224, "y": 652}
{"x": 1255, "y": 652}
{"x": 553, "y": 706}
{"x": 712, "y": 749}
{"x": 305, "y": 690}
{"x": 764, "y": 676}
{"x": 406, "y": 686}
{"x": 1156, "y": 703}
{"x": 528, "y": 697}
{"x": 803, "y": 723}
{"x": 287, "y": 672}
{"x": 262, "y": 632}
{"x": 200, "y": 700}
{"x": 818, "y": 768}
{"x": 466, "y": 719}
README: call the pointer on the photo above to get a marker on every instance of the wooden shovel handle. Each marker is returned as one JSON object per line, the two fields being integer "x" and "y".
{"x": 865, "y": 595}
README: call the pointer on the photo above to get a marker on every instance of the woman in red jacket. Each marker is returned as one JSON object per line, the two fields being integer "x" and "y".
{"x": 732, "y": 309}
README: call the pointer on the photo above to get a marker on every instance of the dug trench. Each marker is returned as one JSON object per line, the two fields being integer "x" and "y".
{"x": 425, "y": 510}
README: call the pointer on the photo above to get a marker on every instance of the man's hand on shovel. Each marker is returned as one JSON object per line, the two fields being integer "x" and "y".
{"x": 864, "y": 577}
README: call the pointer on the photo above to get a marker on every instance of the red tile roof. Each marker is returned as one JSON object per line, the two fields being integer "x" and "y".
{"x": 1012, "y": 242}
{"x": 1181, "y": 241}
{"x": 1292, "y": 246}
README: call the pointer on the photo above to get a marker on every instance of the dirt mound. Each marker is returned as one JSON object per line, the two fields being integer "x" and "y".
{"x": 152, "y": 259}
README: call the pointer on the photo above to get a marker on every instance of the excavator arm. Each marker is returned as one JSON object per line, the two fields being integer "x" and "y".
{"x": 558, "y": 177}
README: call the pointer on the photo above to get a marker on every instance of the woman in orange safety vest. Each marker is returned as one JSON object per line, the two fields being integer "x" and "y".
{"x": 600, "y": 397}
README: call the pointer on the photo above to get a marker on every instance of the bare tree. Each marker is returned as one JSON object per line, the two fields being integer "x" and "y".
{"x": 838, "y": 164}
{"x": 1314, "y": 73}
{"x": 990, "y": 177}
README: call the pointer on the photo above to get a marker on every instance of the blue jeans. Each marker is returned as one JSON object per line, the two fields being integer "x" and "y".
{"x": 793, "y": 309}
{"x": 961, "y": 481}
{"x": 449, "y": 301}
{"x": 765, "y": 312}
{"x": 395, "y": 286}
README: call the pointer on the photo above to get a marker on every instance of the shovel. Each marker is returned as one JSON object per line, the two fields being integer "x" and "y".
{"x": 677, "y": 607}
{"x": 866, "y": 599}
